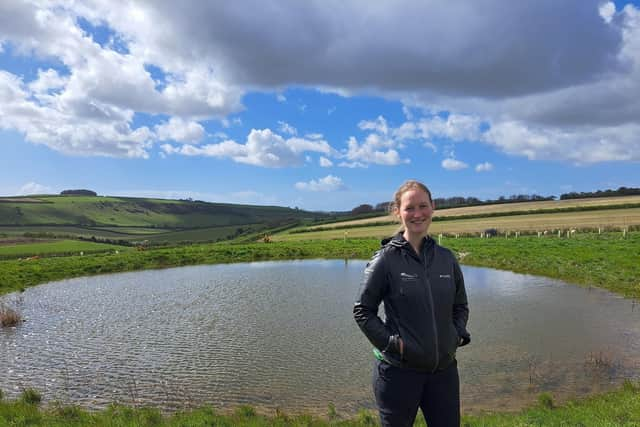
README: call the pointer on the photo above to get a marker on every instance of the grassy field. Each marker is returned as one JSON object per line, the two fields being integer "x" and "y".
{"x": 620, "y": 409}
{"x": 511, "y": 207}
{"x": 134, "y": 212}
{"x": 606, "y": 260}
{"x": 137, "y": 234}
{"x": 591, "y": 220}
{"x": 57, "y": 248}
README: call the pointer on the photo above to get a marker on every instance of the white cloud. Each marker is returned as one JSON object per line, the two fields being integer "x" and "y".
{"x": 453, "y": 164}
{"x": 580, "y": 145}
{"x": 90, "y": 110}
{"x": 407, "y": 112}
{"x": 379, "y": 125}
{"x": 607, "y": 10}
{"x": 262, "y": 148}
{"x": 281, "y": 98}
{"x": 285, "y": 127}
{"x": 484, "y": 167}
{"x": 352, "y": 165}
{"x": 314, "y": 136}
{"x": 180, "y": 130}
{"x": 491, "y": 65}
{"x": 374, "y": 150}
{"x": 328, "y": 183}
{"x": 90, "y": 133}
{"x": 47, "y": 80}
{"x": 431, "y": 146}
{"x": 455, "y": 127}
{"x": 408, "y": 130}
{"x": 34, "y": 188}
{"x": 325, "y": 163}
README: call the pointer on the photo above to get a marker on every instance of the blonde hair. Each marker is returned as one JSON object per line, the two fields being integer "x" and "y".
{"x": 411, "y": 184}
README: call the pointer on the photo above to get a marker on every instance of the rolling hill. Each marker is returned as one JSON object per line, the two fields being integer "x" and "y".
{"x": 138, "y": 218}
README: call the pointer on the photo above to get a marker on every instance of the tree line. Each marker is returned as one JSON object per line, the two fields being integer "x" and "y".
{"x": 454, "y": 202}
{"x": 621, "y": 191}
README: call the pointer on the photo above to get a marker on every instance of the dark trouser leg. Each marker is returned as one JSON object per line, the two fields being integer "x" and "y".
{"x": 440, "y": 401}
{"x": 397, "y": 393}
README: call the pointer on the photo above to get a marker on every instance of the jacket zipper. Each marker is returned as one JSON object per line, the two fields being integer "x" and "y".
{"x": 433, "y": 315}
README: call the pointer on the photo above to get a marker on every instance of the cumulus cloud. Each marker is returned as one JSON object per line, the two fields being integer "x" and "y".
{"x": 379, "y": 125}
{"x": 328, "y": 183}
{"x": 325, "y": 163}
{"x": 180, "y": 130}
{"x": 263, "y": 148}
{"x": 86, "y": 107}
{"x": 453, "y": 164}
{"x": 86, "y": 134}
{"x": 579, "y": 145}
{"x": 484, "y": 167}
{"x": 374, "y": 150}
{"x": 485, "y": 62}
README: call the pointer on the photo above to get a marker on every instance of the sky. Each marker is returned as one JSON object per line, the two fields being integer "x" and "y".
{"x": 320, "y": 104}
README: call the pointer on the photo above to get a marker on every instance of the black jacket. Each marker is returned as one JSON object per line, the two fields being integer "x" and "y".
{"x": 425, "y": 304}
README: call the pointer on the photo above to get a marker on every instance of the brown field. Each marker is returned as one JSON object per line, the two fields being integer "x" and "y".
{"x": 506, "y": 207}
{"x": 606, "y": 219}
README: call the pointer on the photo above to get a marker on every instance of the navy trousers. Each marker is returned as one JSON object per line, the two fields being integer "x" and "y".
{"x": 400, "y": 392}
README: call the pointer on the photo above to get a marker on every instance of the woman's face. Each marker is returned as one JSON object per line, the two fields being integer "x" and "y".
{"x": 415, "y": 212}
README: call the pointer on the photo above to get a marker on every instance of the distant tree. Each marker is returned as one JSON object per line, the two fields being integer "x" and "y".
{"x": 384, "y": 206}
{"x": 78, "y": 193}
{"x": 621, "y": 191}
{"x": 365, "y": 208}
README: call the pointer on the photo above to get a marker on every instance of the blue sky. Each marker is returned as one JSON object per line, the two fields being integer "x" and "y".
{"x": 321, "y": 105}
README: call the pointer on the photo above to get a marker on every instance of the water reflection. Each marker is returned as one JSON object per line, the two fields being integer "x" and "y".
{"x": 281, "y": 334}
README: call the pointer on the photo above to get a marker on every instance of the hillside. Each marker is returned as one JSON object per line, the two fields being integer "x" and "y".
{"x": 136, "y": 218}
{"x": 137, "y": 212}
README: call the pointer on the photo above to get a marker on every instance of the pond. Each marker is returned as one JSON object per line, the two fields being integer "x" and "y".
{"x": 281, "y": 335}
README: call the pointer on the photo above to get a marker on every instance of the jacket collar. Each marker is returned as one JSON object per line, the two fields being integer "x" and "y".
{"x": 399, "y": 241}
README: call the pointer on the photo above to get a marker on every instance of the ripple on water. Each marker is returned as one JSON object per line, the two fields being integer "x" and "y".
{"x": 281, "y": 334}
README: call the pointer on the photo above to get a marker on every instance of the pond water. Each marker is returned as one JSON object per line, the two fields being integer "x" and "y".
{"x": 281, "y": 335}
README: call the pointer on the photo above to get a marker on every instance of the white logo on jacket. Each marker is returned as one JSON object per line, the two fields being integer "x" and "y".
{"x": 408, "y": 277}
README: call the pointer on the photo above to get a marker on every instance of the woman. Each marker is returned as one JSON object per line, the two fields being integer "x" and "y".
{"x": 425, "y": 305}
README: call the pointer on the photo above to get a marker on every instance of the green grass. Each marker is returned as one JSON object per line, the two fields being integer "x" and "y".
{"x": 58, "y": 248}
{"x": 620, "y": 408}
{"x": 16, "y": 275}
{"x": 606, "y": 260}
{"x": 138, "y": 212}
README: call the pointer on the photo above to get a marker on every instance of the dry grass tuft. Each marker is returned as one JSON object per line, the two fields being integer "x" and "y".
{"x": 8, "y": 316}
